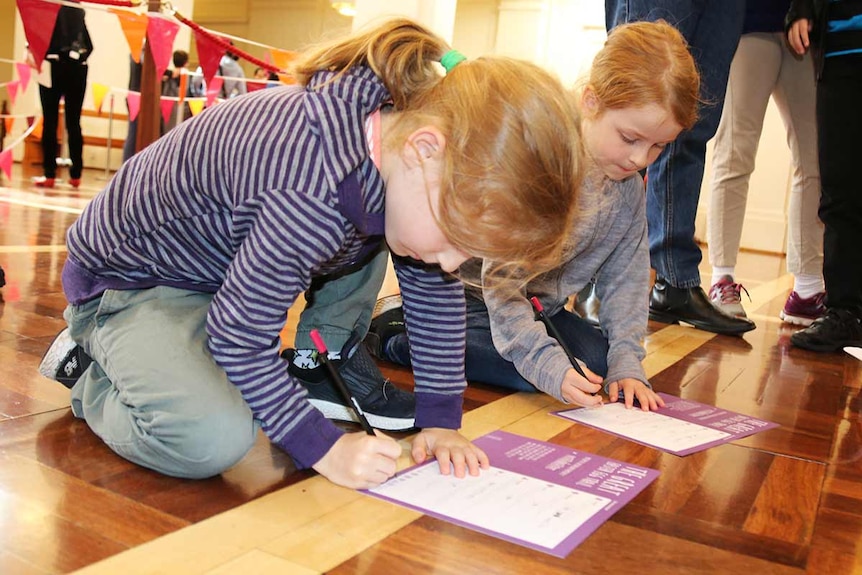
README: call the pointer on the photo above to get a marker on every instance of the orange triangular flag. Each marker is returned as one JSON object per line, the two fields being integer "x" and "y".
{"x": 160, "y": 34}
{"x": 134, "y": 28}
{"x": 286, "y": 79}
{"x": 6, "y": 162}
{"x": 23, "y": 74}
{"x": 99, "y": 92}
{"x": 184, "y": 86}
{"x": 196, "y": 105}
{"x": 167, "y": 108}
{"x": 133, "y": 99}
{"x": 37, "y": 131}
{"x": 282, "y": 58}
{"x": 9, "y": 121}
{"x": 38, "y": 18}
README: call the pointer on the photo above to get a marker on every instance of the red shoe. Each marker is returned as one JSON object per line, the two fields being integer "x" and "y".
{"x": 75, "y": 182}
{"x": 43, "y": 182}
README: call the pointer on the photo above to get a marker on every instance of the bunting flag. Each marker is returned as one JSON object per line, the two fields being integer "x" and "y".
{"x": 287, "y": 79}
{"x": 133, "y": 99}
{"x": 99, "y": 93}
{"x": 9, "y": 121}
{"x": 38, "y": 18}
{"x": 167, "y": 108}
{"x": 37, "y": 131}
{"x": 160, "y": 35}
{"x": 209, "y": 54}
{"x": 213, "y": 89}
{"x": 135, "y": 29}
{"x": 12, "y": 88}
{"x": 184, "y": 86}
{"x": 282, "y": 58}
{"x": 6, "y": 162}
{"x": 23, "y": 74}
{"x": 196, "y": 105}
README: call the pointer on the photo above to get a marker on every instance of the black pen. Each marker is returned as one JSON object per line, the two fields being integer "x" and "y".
{"x": 338, "y": 381}
{"x": 552, "y": 331}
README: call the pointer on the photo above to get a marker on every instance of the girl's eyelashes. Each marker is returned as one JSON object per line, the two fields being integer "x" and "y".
{"x": 627, "y": 140}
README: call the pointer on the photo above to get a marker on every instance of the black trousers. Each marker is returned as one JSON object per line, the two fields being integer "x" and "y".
{"x": 839, "y": 122}
{"x": 68, "y": 81}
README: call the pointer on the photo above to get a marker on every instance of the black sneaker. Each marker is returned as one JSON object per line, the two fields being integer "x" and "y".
{"x": 386, "y": 406}
{"x": 386, "y": 321}
{"x": 65, "y": 361}
{"x": 832, "y": 332}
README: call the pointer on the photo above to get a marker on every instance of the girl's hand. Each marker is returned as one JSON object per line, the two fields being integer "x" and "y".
{"x": 634, "y": 388}
{"x": 360, "y": 461}
{"x": 797, "y": 35}
{"x": 450, "y": 448}
{"x": 578, "y": 391}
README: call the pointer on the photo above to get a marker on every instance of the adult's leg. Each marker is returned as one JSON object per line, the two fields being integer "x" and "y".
{"x": 50, "y": 99}
{"x": 73, "y": 91}
{"x": 753, "y": 75}
{"x": 153, "y": 393}
{"x": 795, "y": 97}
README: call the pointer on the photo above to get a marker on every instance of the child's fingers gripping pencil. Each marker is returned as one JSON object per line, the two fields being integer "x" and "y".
{"x": 339, "y": 382}
{"x": 552, "y": 331}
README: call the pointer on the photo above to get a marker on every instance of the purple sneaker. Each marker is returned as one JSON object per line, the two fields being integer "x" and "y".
{"x": 803, "y": 311}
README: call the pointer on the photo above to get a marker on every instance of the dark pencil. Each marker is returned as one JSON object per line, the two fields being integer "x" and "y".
{"x": 339, "y": 382}
{"x": 552, "y": 331}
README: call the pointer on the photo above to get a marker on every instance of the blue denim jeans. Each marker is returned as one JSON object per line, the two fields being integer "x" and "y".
{"x": 484, "y": 364}
{"x": 712, "y": 29}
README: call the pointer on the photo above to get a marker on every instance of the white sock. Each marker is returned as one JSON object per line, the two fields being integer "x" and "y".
{"x": 719, "y": 272}
{"x": 808, "y": 285}
{"x": 307, "y": 358}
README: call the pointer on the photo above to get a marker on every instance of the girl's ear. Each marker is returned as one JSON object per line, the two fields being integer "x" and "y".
{"x": 590, "y": 105}
{"x": 424, "y": 144}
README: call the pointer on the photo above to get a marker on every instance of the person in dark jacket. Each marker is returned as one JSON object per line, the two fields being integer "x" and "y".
{"x": 67, "y": 55}
{"x": 833, "y": 30}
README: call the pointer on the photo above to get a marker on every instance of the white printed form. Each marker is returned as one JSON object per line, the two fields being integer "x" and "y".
{"x": 649, "y": 427}
{"x": 510, "y": 504}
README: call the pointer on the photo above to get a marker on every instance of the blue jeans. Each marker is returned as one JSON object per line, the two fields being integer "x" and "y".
{"x": 484, "y": 364}
{"x": 712, "y": 29}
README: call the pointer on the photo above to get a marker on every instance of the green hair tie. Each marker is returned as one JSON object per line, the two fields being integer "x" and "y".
{"x": 451, "y": 59}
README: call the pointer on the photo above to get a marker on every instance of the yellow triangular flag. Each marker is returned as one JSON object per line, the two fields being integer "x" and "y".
{"x": 195, "y": 105}
{"x": 99, "y": 93}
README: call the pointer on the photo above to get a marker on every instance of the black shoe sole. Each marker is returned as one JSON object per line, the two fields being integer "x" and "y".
{"x": 824, "y": 347}
{"x": 665, "y": 317}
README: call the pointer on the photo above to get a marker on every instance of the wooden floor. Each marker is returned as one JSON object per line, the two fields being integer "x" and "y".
{"x": 788, "y": 500}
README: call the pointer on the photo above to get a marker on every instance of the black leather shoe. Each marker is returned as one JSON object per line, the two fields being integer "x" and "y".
{"x": 832, "y": 332}
{"x": 587, "y": 304}
{"x": 669, "y": 304}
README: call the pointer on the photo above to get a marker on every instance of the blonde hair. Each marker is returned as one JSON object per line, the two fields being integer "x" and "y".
{"x": 645, "y": 63}
{"x": 512, "y": 160}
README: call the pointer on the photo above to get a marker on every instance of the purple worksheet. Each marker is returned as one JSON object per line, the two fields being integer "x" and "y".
{"x": 681, "y": 427}
{"x": 536, "y": 494}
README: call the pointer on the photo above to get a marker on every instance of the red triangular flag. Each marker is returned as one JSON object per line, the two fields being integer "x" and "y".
{"x": 134, "y": 101}
{"x": 12, "y": 88}
{"x": 209, "y": 54}
{"x": 38, "y": 18}
{"x": 213, "y": 89}
{"x": 167, "y": 108}
{"x": 134, "y": 28}
{"x": 6, "y": 162}
{"x": 160, "y": 34}
{"x": 23, "y": 74}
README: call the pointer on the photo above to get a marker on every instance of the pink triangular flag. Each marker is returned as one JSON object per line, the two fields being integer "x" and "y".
{"x": 12, "y": 88}
{"x": 167, "y": 108}
{"x": 213, "y": 89}
{"x": 38, "y": 18}
{"x": 6, "y": 163}
{"x": 209, "y": 54}
{"x": 134, "y": 101}
{"x": 23, "y": 74}
{"x": 160, "y": 35}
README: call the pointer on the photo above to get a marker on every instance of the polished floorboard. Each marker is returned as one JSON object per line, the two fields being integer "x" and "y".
{"x": 788, "y": 500}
